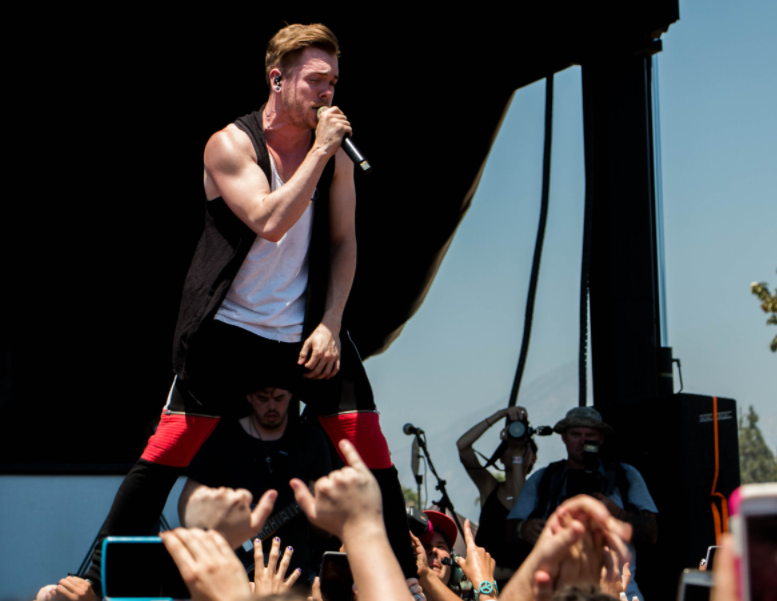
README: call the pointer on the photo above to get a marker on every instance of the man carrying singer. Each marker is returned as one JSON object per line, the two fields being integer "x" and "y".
{"x": 264, "y": 296}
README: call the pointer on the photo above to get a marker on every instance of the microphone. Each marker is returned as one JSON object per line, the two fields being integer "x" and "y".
{"x": 349, "y": 147}
{"x": 411, "y": 430}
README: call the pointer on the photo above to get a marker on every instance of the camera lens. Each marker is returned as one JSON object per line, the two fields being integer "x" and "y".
{"x": 516, "y": 430}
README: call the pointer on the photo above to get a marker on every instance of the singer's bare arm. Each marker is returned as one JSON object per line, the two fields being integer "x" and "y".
{"x": 321, "y": 351}
{"x": 231, "y": 172}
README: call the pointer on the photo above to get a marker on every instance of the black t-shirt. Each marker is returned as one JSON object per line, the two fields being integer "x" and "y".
{"x": 231, "y": 457}
{"x": 491, "y": 534}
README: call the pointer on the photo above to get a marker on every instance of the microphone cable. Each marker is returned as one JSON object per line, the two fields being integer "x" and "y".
{"x": 535, "y": 268}
{"x": 585, "y": 268}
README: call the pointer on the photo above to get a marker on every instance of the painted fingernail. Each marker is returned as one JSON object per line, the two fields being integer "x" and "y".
{"x": 299, "y": 570}
{"x": 290, "y": 548}
{"x": 277, "y": 540}
{"x": 257, "y": 541}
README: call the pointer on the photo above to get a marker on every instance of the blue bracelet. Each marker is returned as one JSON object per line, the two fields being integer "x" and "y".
{"x": 486, "y": 588}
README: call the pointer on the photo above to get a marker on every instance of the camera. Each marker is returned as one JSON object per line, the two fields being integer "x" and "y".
{"x": 417, "y": 522}
{"x": 588, "y": 480}
{"x": 457, "y": 574}
{"x": 521, "y": 430}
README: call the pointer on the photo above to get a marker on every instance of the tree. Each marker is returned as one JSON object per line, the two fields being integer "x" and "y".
{"x": 756, "y": 460}
{"x": 411, "y": 497}
{"x": 768, "y": 305}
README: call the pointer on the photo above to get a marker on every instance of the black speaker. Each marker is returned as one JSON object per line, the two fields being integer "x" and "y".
{"x": 671, "y": 441}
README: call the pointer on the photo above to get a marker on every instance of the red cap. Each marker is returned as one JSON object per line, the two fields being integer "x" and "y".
{"x": 445, "y": 525}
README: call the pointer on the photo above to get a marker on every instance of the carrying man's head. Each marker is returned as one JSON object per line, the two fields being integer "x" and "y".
{"x": 271, "y": 406}
{"x": 580, "y": 425}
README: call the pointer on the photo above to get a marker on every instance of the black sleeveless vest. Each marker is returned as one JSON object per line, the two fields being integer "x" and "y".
{"x": 224, "y": 245}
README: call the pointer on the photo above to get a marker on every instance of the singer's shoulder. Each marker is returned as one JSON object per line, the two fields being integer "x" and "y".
{"x": 228, "y": 148}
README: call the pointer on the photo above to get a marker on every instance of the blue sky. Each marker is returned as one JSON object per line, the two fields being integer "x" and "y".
{"x": 453, "y": 364}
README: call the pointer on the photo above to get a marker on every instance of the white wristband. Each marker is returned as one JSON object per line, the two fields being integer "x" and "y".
{"x": 517, "y": 460}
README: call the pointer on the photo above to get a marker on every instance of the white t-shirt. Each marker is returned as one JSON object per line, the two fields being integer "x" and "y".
{"x": 267, "y": 297}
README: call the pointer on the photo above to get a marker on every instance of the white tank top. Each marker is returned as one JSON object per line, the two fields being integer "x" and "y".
{"x": 267, "y": 297}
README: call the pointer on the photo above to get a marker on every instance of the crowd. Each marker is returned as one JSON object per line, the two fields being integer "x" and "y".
{"x": 581, "y": 550}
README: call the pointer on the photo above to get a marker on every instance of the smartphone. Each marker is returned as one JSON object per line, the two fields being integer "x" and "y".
{"x": 694, "y": 586}
{"x": 335, "y": 577}
{"x": 754, "y": 526}
{"x": 139, "y": 567}
{"x": 710, "y": 560}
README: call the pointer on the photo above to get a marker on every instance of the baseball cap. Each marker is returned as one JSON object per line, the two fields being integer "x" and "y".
{"x": 443, "y": 524}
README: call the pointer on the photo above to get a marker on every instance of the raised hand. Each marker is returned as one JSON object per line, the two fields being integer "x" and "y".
{"x": 611, "y": 581}
{"x": 269, "y": 580}
{"x": 207, "y": 565}
{"x": 346, "y": 501}
{"x": 724, "y": 574}
{"x": 73, "y": 588}
{"x": 592, "y": 514}
{"x": 315, "y": 593}
{"x": 229, "y": 512}
{"x": 515, "y": 414}
{"x": 415, "y": 589}
{"x": 478, "y": 566}
{"x": 422, "y": 562}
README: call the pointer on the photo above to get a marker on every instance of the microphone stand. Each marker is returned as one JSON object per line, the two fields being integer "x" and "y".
{"x": 445, "y": 502}
{"x": 419, "y": 479}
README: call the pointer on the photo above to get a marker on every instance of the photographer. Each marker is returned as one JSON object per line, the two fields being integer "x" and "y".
{"x": 518, "y": 456}
{"x": 618, "y": 486}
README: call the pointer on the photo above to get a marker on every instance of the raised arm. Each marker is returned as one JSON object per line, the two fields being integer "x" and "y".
{"x": 223, "y": 509}
{"x": 231, "y": 172}
{"x": 480, "y": 476}
{"x": 348, "y": 504}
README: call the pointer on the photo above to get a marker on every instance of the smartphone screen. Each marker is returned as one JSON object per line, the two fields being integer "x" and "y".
{"x": 140, "y": 567}
{"x": 336, "y": 579}
{"x": 695, "y": 586}
{"x": 762, "y": 556}
{"x": 696, "y": 592}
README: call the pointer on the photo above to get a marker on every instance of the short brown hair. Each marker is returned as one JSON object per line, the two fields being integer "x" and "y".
{"x": 284, "y": 48}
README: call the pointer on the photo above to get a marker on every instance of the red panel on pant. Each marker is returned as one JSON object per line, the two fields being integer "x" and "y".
{"x": 178, "y": 438}
{"x": 362, "y": 429}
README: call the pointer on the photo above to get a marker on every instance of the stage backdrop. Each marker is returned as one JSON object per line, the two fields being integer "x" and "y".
{"x": 117, "y": 108}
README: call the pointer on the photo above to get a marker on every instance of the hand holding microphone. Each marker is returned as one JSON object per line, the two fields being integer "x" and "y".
{"x": 339, "y": 133}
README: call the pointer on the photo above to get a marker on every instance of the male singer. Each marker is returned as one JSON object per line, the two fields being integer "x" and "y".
{"x": 264, "y": 297}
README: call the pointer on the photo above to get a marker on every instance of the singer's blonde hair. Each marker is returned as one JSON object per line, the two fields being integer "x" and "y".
{"x": 284, "y": 48}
